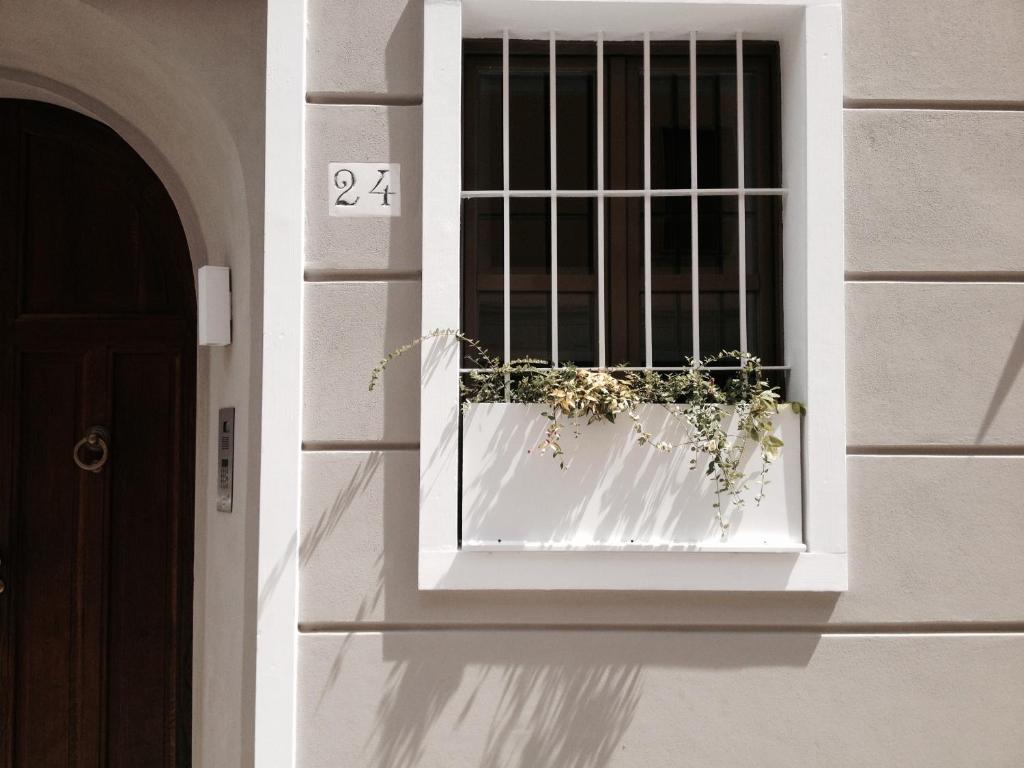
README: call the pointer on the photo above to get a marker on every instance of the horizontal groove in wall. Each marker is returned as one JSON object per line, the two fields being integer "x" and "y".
{"x": 935, "y": 450}
{"x": 935, "y": 277}
{"x": 357, "y": 445}
{"x": 324, "y": 275}
{"x": 317, "y": 275}
{"x": 977, "y": 105}
{"x": 851, "y": 450}
{"x": 922, "y": 628}
{"x": 362, "y": 99}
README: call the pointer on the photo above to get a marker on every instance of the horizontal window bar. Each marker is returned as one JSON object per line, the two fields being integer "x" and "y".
{"x": 528, "y": 368}
{"x": 473, "y": 193}
{"x": 539, "y": 282}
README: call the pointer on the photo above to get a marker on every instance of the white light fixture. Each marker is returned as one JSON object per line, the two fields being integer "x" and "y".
{"x": 214, "y": 306}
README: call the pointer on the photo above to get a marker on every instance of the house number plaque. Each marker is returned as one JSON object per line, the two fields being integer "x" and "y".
{"x": 364, "y": 189}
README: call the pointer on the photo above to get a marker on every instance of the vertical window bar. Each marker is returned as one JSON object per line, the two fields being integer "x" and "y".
{"x": 648, "y": 331}
{"x": 741, "y": 202}
{"x": 694, "y": 258}
{"x": 601, "y": 361}
{"x": 552, "y": 121}
{"x": 506, "y": 219}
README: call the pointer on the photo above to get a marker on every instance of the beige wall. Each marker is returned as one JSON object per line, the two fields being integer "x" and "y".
{"x": 919, "y": 663}
{"x": 183, "y": 82}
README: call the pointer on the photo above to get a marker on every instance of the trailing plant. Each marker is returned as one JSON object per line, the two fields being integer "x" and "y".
{"x": 703, "y": 403}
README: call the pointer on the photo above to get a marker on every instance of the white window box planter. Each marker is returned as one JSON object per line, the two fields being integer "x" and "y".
{"x": 614, "y": 494}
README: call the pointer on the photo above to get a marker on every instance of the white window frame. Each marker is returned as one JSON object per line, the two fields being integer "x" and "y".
{"x": 809, "y": 33}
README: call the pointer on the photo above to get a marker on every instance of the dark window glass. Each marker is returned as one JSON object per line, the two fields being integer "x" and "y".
{"x": 530, "y": 236}
{"x": 671, "y": 236}
{"x": 576, "y": 113}
{"x": 761, "y": 97}
{"x": 671, "y": 282}
{"x": 577, "y": 281}
{"x": 716, "y": 116}
{"x": 531, "y": 325}
{"x": 481, "y": 125}
{"x": 672, "y": 320}
{"x": 670, "y": 117}
{"x": 764, "y": 244}
{"x": 624, "y": 116}
{"x": 482, "y": 260}
{"x": 528, "y": 115}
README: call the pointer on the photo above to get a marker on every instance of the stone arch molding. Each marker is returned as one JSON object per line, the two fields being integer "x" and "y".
{"x": 76, "y": 56}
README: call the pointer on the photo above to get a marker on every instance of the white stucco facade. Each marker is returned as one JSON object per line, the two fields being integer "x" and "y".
{"x": 389, "y": 675}
{"x": 314, "y": 645}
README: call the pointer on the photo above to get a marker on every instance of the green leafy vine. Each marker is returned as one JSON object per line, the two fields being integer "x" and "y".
{"x": 703, "y": 403}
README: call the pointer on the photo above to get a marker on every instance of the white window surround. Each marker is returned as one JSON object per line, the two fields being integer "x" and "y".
{"x": 809, "y": 32}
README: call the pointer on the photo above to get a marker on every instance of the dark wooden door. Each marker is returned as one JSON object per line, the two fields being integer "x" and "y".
{"x": 97, "y": 314}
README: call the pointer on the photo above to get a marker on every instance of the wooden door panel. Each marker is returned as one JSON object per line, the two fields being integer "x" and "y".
{"x": 97, "y": 327}
{"x": 141, "y": 640}
{"x": 90, "y": 256}
{"x": 42, "y": 566}
{"x": 94, "y": 235}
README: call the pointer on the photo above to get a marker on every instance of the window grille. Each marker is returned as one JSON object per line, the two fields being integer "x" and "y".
{"x": 583, "y": 297}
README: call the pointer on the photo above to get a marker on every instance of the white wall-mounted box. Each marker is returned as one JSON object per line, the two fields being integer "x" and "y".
{"x": 213, "y": 306}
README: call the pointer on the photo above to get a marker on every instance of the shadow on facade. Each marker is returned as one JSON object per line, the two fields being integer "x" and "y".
{"x": 1012, "y": 369}
{"x": 547, "y": 698}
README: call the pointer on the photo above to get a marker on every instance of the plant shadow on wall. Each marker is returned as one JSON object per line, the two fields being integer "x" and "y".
{"x": 541, "y": 709}
{"x": 553, "y": 698}
{"x": 1012, "y": 369}
{"x": 331, "y": 516}
{"x": 339, "y": 518}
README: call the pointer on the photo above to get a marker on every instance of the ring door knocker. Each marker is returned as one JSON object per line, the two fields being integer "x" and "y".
{"x": 93, "y": 450}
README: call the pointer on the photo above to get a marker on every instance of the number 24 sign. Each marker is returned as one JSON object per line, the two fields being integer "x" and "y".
{"x": 364, "y": 189}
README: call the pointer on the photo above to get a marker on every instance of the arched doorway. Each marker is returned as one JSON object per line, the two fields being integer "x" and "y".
{"x": 97, "y": 350}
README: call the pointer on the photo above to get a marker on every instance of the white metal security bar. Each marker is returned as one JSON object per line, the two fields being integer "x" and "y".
{"x": 601, "y": 361}
{"x": 741, "y": 201}
{"x": 694, "y": 240}
{"x": 506, "y": 209}
{"x": 553, "y": 124}
{"x": 648, "y": 312}
{"x": 694, "y": 192}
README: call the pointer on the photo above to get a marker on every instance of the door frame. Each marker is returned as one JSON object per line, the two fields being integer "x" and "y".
{"x": 276, "y": 672}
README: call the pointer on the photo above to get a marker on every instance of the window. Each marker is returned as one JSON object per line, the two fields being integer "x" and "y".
{"x": 600, "y": 283}
{"x": 572, "y": 239}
